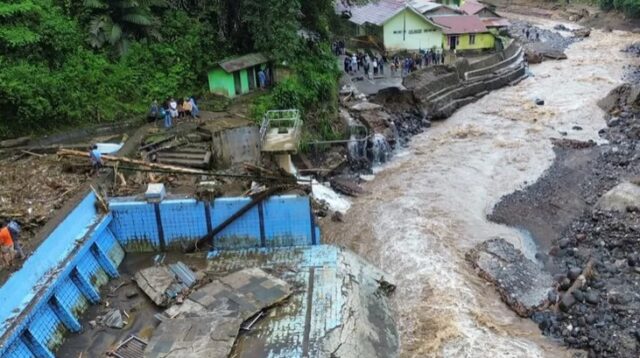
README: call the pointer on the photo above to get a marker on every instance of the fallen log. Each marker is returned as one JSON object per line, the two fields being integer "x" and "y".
{"x": 10, "y": 143}
{"x": 176, "y": 169}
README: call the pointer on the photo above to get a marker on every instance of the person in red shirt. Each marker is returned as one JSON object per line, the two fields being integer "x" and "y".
{"x": 6, "y": 246}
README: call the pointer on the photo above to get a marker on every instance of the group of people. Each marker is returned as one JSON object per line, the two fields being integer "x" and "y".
{"x": 338, "y": 47}
{"x": 372, "y": 65}
{"x": 172, "y": 109}
{"x": 9, "y": 244}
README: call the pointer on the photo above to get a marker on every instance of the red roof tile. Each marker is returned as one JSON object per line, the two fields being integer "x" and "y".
{"x": 466, "y": 24}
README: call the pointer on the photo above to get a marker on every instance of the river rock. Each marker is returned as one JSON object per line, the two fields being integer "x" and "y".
{"x": 592, "y": 297}
{"x": 620, "y": 198}
{"x": 620, "y": 97}
{"x": 522, "y": 284}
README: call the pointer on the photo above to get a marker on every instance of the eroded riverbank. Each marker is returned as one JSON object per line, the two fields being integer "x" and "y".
{"x": 429, "y": 206}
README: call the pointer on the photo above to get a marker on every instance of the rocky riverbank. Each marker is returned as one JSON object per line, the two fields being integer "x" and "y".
{"x": 585, "y": 216}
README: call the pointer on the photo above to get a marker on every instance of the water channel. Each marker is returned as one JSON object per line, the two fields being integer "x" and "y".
{"x": 428, "y": 206}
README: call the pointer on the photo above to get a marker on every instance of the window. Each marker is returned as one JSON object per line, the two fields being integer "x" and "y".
{"x": 472, "y": 39}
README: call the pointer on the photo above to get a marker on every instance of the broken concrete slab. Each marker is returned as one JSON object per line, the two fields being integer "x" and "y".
{"x": 113, "y": 319}
{"x": 163, "y": 283}
{"x": 621, "y": 198}
{"x": 521, "y": 283}
{"x": 194, "y": 337}
{"x": 208, "y": 322}
{"x": 339, "y": 306}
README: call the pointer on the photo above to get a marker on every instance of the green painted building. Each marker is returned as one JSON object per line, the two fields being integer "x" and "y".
{"x": 238, "y": 75}
{"x": 409, "y": 30}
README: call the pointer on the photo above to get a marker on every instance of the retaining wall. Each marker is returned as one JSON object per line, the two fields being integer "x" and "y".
{"x": 440, "y": 90}
{"x": 43, "y": 300}
{"x": 46, "y": 297}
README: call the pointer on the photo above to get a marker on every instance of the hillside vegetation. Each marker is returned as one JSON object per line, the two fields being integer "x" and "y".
{"x": 69, "y": 63}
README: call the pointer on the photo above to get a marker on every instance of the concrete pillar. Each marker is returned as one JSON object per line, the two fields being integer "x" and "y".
{"x": 284, "y": 162}
{"x": 104, "y": 261}
{"x": 36, "y": 347}
{"x": 85, "y": 286}
{"x": 65, "y": 315}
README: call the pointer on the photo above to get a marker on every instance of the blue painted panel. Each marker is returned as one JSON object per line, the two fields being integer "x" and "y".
{"x": 90, "y": 267}
{"x": 70, "y": 296}
{"x": 18, "y": 350}
{"x": 287, "y": 221}
{"x": 107, "y": 242}
{"x": 47, "y": 328}
{"x": 21, "y": 287}
{"x": 183, "y": 221}
{"x": 135, "y": 226}
{"x": 242, "y": 233}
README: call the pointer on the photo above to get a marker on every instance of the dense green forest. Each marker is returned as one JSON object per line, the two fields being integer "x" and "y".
{"x": 629, "y": 7}
{"x": 69, "y": 63}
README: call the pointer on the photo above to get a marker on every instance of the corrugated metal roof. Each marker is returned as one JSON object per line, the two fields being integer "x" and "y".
{"x": 471, "y": 7}
{"x": 495, "y": 22}
{"x": 376, "y": 13}
{"x": 242, "y": 62}
{"x": 466, "y": 24}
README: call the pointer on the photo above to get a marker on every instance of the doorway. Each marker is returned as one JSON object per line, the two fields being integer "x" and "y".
{"x": 236, "y": 82}
{"x": 453, "y": 42}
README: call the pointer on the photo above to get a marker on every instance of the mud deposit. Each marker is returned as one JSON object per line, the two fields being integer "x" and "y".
{"x": 429, "y": 206}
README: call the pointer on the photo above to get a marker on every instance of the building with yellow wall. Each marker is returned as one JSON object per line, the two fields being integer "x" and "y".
{"x": 465, "y": 33}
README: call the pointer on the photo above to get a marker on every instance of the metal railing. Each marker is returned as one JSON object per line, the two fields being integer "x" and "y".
{"x": 286, "y": 118}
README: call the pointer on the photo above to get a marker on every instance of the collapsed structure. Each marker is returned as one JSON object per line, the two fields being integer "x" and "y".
{"x": 339, "y": 303}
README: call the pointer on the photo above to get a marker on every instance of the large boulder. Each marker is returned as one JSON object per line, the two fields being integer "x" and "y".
{"x": 621, "y": 198}
{"x": 624, "y": 95}
{"x": 522, "y": 284}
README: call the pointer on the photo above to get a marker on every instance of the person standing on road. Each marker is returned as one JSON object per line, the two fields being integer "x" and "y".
{"x": 354, "y": 63}
{"x": 194, "y": 107}
{"x": 381, "y": 65}
{"x": 374, "y": 64}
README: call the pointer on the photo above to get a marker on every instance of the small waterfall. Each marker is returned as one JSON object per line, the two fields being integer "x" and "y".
{"x": 355, "y": 148}
{"x": 380, "y": 149}
{"x": 396, "y": 134}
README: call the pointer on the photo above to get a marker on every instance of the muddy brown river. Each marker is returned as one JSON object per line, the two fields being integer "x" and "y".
{"x": 425, "y": 209}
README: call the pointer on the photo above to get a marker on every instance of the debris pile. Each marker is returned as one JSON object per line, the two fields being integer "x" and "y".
{"x": 32, "y": 188}
{"x": 165, "y": 284}
{"x": 188, "y": 148}
{"x": 207, "y": 323}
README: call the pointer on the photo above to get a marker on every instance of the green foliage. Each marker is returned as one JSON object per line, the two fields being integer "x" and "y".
{"x": 66, "y": 63}
{"x": 118, "y": 22}
{"x": 629, "y": 7}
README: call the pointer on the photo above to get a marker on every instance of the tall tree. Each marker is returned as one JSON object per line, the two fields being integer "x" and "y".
{"x": 118, "y": 22}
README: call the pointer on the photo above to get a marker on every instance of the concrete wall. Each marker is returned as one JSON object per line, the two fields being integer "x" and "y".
{"x": 236, "y": 145}
{"x": 409, "y": 31}
{"x": 441, "y": 90}
{"x": 173, "y": 224}
{"x": 44, "y": 299}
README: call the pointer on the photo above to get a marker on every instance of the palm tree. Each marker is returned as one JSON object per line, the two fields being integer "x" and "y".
{"x": 117, "y": 22}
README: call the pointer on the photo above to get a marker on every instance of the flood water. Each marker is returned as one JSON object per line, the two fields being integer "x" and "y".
{"x": 428, "y": 207}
